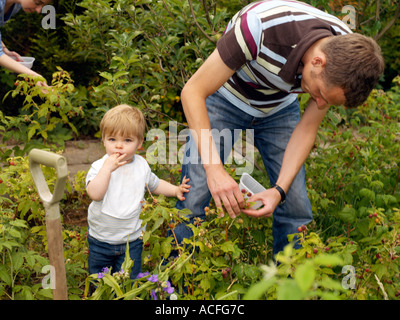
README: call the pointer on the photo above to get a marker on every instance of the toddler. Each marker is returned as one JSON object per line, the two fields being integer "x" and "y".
{"x": 116, "y": 183}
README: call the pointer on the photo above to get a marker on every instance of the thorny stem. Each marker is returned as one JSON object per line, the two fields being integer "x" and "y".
{"x": 397, "y": 180}
{"x": 197, "y": 24}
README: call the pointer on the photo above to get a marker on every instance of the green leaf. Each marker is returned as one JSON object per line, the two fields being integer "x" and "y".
{"x": 166, "y": 247}
{"x": 366, "y": 193}
{"x": 256, "y": 291}
{"x": 327, "y": 260}
{"x": 228, "y": 246}
{"x": 110, "y": 281}
{"x": 106, "y": 75}
{"x": 289, "y": 290}
{"x": 14, "y": 233}
{"x": 380, "y": 270}
{"x": 19, "y": 223}
{"x": 363, "y": 226}
{"x": 304, "y": 276}
{"x": 17, "y": 260}
{"x": 158, "y": 223}
{"x": 348, "y": 214}
{"x": 258, "y": 235}
{"x": 4, "y": 275}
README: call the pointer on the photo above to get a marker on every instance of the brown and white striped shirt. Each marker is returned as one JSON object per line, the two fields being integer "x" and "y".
{"x": 264, "y": 43}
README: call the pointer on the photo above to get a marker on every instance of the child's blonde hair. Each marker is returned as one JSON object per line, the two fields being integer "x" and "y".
{"x": 124, "y": 120}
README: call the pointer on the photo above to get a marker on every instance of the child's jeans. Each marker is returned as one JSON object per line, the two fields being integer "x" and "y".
{"x": 102, "y": 255}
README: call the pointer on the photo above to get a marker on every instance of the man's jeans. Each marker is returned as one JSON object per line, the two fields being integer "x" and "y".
{"x": 271, "y": 135}
{"x": 102, "y": 255}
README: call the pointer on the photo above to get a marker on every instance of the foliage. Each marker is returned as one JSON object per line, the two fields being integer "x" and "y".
{"x": 23, "y": 243}
{"x": 142, "y": 53}
{"x": 20, "y": 266}
{"x": 47, "y": 114}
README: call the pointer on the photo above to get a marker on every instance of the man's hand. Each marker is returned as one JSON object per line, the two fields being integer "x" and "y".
{"x": 225, "y": 191}
{"x": 270, "y": 199}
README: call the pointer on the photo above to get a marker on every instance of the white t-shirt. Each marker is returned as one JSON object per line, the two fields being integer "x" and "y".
{"x": 116, "y": 217}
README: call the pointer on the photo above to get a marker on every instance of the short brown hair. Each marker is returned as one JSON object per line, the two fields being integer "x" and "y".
{"x": 354, "y": 63}
{"x": 125, "y": 120}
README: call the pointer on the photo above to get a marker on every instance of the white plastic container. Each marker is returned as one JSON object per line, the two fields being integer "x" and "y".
{"x": 251, "y": 185}
{"x": 26, "y": 61}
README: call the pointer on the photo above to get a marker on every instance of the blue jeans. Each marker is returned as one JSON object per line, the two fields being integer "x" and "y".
{"x": 271, "y": 135}
{"x": 103, "y": 254}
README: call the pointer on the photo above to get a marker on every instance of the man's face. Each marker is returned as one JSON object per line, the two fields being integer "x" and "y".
{"x": 33, "y": 5}
{"x": 313, "y": 83}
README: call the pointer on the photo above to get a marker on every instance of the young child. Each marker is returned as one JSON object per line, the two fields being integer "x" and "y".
{"x": 116, "y": 183}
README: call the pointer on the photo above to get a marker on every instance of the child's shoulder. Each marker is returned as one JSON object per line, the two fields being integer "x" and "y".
{"x": 139, "y": 160}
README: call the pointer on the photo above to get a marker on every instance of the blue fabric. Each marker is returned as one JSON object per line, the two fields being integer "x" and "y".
{"x": 271, "y": 135}
{"x": 5, "y": 17}
{"x": 103, "y": 255}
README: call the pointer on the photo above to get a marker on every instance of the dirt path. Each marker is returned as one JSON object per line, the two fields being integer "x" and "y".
{"x": 81, "y": 154}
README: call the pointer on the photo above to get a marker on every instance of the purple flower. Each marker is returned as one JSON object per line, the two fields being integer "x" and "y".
{"x": 100, "y": 275}
{"x": 153, "y": 278}
{"x": 153, "y": 295}
{"x": 142, "y": 275}
{"x": 168, "y": 288}
{"x": 105, "y": 270}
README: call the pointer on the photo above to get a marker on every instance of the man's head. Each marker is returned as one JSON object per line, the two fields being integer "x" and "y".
{"x": 344, "y": 68}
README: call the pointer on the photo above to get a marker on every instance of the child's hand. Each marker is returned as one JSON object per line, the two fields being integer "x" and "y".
{"x": 183, "y": 188}
{"x": 114, "y": 161}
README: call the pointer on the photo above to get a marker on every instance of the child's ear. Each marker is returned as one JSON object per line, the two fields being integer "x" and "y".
{"x": 140, "y": 143}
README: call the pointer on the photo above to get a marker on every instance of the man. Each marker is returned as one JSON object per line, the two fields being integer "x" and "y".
{"x": 270, "y": 52}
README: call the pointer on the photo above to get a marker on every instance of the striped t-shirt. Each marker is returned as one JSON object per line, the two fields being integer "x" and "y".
{"x": 264, "y": 43}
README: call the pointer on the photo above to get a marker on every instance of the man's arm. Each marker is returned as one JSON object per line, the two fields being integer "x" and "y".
{"x": 208, "y": 79}
{"x": 297, "y": 150}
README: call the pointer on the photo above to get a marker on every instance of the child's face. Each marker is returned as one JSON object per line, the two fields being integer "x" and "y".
{"x": 126, "y": 145}
{"x": 33, "y": 5}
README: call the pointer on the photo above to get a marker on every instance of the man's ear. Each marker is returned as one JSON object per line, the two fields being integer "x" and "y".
{"x": 319, "y": 60}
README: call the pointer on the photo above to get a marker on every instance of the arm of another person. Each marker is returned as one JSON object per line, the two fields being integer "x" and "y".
{"x": 10, "y": 53}
{"x": 11, "y": 64}
{"x": 297, "y": 150}
{"x": 208, "y": 79}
